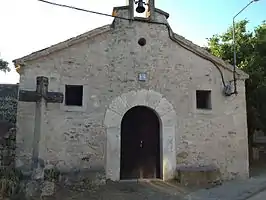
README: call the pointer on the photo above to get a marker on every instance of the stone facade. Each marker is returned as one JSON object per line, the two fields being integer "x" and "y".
{"x": 107, "y": 62}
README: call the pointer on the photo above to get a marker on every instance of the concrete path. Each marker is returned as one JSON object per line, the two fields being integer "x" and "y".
{"x": 233, "y": 190}
{"x": 260, "y": 196}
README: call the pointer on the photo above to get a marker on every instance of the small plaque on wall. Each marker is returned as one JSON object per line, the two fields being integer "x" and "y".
{"x": 142, "y": 77}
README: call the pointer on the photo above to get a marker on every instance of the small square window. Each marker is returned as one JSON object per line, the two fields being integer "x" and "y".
{"x": 73, "y": 95}
{"x": 203, "y": 99}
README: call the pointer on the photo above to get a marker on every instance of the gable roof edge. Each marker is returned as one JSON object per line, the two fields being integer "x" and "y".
{"x": 199, "y": 50}
{"x": 20, "y": 62}
{"x": 61, "y": 45}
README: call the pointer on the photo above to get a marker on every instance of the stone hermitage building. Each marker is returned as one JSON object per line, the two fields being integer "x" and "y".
{"x": 130, "y": 100}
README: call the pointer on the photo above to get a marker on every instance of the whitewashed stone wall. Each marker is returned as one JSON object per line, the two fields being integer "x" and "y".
{"x": 107, "y": 66}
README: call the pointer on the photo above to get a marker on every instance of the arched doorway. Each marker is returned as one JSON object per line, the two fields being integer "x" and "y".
{"x": 114, "y": 114}
{"x": 140, "y": 144}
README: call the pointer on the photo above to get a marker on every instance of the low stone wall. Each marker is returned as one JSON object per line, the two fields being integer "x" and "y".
{"x": 8, "y": 149}
{"x": 44, "y": 182}
{"x": 8, "y": 103}
{"x": 8, "y": 112}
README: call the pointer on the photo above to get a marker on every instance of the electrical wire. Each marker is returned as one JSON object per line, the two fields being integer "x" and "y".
{"x": 170, "y": 32}
{"x": 79, "y": 9}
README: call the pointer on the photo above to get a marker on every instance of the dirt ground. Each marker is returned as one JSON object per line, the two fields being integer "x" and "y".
{"x": 155, "y": 190}
{"x": 143, "y": 190}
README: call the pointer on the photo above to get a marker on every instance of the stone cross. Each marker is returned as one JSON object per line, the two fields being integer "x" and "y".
{"x": 41, "y": 96}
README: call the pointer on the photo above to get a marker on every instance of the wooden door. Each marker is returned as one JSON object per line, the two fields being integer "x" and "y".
{"x": 140, "y": 144}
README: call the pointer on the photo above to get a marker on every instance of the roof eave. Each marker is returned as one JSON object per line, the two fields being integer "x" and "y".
{"x": 62, "y": 45}
{"x": 20, "y": 62}
{"x": 215, "y": 59}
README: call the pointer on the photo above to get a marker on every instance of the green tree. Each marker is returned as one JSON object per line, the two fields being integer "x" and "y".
{"x": 251, "y": 58}
{"x": 4, "y": 66}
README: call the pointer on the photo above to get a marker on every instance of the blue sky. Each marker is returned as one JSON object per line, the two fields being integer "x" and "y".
{"x": 31, "y": 25}
{"x": 199, "y": 19}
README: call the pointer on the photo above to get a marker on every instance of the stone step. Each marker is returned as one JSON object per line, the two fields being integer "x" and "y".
{"x": 203, "y": 176}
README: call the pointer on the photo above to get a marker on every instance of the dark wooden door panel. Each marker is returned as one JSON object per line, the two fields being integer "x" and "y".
{"x": 140, "y": 144}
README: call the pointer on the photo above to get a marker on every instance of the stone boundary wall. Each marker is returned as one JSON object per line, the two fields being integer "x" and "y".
{"x": 8, "y": 149}
{"x": 8, "y": 103}
{"x": 8, "y": 112}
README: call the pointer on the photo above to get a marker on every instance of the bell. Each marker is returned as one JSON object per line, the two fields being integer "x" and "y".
{"x": 140, "y": 8}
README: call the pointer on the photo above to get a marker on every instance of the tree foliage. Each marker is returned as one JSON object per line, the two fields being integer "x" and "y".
{"x": 4, "y": 66}
{"x": 251, "y": 58}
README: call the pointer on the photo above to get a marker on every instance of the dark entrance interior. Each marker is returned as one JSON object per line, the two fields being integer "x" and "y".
{"x": 140, "y": 144}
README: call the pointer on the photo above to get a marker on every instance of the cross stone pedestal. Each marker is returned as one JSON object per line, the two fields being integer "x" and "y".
{"x": 41, "y": 97}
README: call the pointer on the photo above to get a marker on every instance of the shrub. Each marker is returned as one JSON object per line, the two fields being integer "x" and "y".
{"x": 10, "y": 182}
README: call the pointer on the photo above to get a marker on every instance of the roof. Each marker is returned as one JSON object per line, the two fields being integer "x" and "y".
{"x": 62, "y": 45}
{"x": 20, "y": 62}
{"x": 199, "y": 50}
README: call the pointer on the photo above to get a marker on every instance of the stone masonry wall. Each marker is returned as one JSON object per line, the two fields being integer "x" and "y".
{"x": 8, "y": 102}
{"x": 107, "y": 66}
{"x": 8, "y": 149}
{"x": 8, "y": 112}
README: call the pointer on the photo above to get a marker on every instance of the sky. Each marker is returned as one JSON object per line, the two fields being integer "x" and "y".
{"x": 30, "y": 25}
